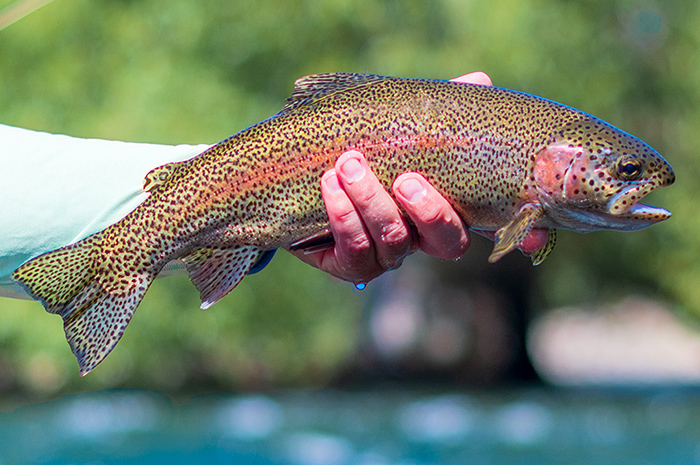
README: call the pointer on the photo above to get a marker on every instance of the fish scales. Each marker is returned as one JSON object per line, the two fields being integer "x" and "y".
{"x": 278, "y": 163}
{"x": 507, "y": 161}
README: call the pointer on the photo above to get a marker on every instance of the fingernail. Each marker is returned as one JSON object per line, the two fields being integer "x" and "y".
{"x": 352, "y": 169}
{"x": 412, "y": 190}
{"x": 332, "y": 183}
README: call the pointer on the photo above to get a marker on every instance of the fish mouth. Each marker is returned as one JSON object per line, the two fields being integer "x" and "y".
{"x": 626, "y": 206}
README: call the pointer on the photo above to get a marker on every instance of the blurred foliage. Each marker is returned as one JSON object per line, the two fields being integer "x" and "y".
{"x": 193, "y": 71}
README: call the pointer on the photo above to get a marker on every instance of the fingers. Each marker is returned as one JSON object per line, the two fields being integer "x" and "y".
{"x": 441, "y": 232}
{"x": 371, "y": 234}
{"x": 476, "y": 77}
{"x": 368, "y": 227}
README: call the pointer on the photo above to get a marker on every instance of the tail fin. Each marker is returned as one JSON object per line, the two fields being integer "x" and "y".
{"x": 70, "y": 282}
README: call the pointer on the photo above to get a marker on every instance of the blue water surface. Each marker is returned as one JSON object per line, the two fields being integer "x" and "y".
{"x": 383, "y": 427}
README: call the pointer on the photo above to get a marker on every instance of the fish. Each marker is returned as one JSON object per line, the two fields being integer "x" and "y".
{"x": 507, "y": 162}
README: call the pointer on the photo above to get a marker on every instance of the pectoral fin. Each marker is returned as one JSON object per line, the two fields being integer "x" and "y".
{"x": 539, "y": 256}
{"x": 215, "y": 272}
{"x": 510, "y": 236}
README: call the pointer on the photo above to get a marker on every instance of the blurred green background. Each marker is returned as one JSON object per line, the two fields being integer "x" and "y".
{"x": 197, "y": 71}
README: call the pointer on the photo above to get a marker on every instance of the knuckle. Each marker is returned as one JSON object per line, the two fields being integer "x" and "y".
{"x": 366, "y": 197}
{"x": 357, "y": 261}
{"x": 434, "y": 214}
{"x": 346, "y": 217}
{"x": 396, "y": 242}
{"x": 359, "y": 245}
{"x": 395, "y": 235}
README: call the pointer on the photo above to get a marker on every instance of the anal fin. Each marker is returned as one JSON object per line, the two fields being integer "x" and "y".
{"x": 217, "y": 271}
{"x": 510, "y": 236}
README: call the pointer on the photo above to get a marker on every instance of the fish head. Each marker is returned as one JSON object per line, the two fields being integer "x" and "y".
{"x": 593, "y": 176}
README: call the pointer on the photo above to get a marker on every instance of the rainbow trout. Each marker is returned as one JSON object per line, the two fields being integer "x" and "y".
{"x": 507, "y": 161}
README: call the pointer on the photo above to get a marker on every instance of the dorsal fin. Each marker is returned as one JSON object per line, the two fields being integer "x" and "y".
{"x": 316, "y": 86}
{"x": 158, "y": 176}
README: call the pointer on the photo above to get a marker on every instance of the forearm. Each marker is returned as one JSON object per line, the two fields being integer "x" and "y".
{"x": 58, "y": 189}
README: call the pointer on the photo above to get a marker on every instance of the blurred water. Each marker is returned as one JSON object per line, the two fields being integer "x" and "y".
{"x": 397, "y": 427}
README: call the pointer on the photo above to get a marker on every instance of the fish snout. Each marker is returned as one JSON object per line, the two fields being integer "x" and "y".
{"x": 664, "y": 175}
{"x": 669, "y": 178}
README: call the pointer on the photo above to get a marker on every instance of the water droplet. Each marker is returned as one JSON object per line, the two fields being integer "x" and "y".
{"x": 457, "y": 259}
{"x": 360, "y": 286}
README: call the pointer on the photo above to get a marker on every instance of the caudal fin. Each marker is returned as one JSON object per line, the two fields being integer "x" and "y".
{"x": 72, "y": 283}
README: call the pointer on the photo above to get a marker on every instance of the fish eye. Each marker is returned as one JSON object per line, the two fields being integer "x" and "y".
{"x": 629, "y": 169}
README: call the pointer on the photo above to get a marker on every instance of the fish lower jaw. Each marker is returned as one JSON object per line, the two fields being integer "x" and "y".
{"x": 628, "y": 200}
{"x": 638, "y": 216}
{"x": 626, "y": 206}
{"x": 643, "y": 213}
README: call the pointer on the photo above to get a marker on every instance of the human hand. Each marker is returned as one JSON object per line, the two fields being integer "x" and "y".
{"x": 370, "y": 233}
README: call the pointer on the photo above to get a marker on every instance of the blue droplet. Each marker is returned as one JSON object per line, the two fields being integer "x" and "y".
{"x": 360, "y": 286}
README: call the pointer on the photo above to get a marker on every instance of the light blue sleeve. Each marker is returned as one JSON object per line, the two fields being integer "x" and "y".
{"x": 59, "y": 189}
